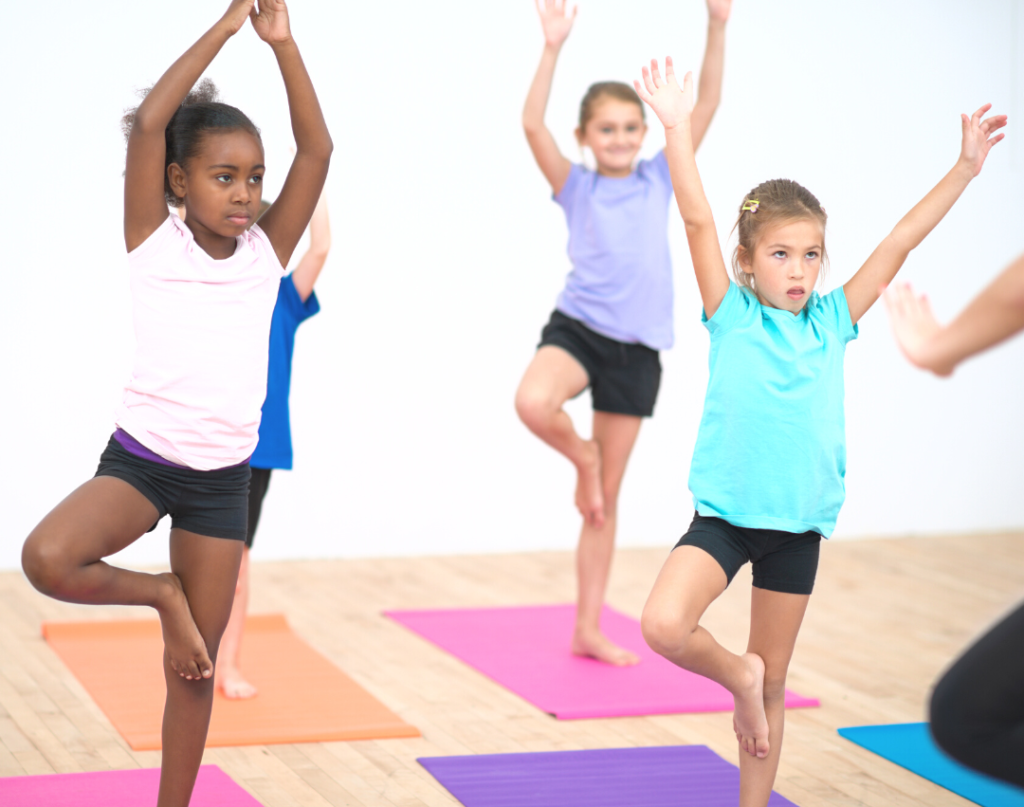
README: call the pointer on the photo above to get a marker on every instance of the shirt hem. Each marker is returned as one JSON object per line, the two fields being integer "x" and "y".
{"x": 753, "y": 522}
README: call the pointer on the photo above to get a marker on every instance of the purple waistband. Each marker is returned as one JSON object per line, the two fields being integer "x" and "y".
{"x": 136, "y": 449}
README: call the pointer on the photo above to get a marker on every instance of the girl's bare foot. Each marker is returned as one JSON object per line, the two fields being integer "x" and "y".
{"x": 589, "y": 496}
{"x": 234, "y": 686}
{"x": 597, "y": 645}
{"x": 183, "y": 644}
{"x": 749, "y": 720}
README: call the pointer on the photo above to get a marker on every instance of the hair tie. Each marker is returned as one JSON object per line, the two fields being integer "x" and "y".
{"x": 751, "y": 205}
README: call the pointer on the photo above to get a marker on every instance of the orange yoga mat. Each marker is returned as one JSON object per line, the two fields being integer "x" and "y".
{"x": 303, "y": 698}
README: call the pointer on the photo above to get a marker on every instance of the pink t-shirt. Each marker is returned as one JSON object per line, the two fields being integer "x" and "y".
{"x": 202, "y": 330}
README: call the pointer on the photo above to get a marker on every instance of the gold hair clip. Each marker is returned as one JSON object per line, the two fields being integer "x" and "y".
{"x": 751, "y": 205}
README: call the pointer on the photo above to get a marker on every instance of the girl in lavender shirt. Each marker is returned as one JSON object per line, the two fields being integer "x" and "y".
{"x": 615, "y": 312}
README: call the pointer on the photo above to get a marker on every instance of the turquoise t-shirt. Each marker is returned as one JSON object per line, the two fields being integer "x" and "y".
{"x": 771, "y": 450}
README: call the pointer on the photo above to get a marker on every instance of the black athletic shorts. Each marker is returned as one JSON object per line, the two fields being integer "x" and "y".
{"x": 213, "y": 503}
{"x": 258, "y": 485}
{"x": 624, "y": 377}
{"x": 782, "y": 561}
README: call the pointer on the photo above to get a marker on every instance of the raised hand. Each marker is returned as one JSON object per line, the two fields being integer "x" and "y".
{"x": 270, "y": 20}
{"x": 234, "y": 17}
{"x": 977, "y": 139}
{"x": 914, "y": 325}
{"x": 718, "y": 10}
{"x": 555, "y": 20}
{"x": 670, "y": 103}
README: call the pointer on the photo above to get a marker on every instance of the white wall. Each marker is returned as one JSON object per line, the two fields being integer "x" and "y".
{"x": 449, "y": 254}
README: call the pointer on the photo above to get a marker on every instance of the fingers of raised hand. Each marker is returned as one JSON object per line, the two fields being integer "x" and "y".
{"x": 648, "y": 82}
{"x": 976, "y": 117}
{"x": 656, "y": 74}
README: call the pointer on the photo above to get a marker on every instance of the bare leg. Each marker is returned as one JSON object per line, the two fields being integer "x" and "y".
{"x": 775, "y": 620}
{"x": 63, "y": 558}
{"x": 208, "y": 569}
{"x": 552, "y": 378}
{"x": 228, "y": 674}
{"x": 688, "y": 583}
{"x": 616, "y": 435}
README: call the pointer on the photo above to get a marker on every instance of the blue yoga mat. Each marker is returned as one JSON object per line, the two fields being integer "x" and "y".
{"x": 670, "y": 776}
{"x": 910, "y": 745}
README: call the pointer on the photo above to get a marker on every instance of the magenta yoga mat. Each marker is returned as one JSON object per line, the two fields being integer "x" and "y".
{"x": 526, "y": 650}
{"x": 133, "y": 788}
{"x": 671, "y": 776}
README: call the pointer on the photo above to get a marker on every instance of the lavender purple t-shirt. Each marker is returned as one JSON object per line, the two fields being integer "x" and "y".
{"x": 621, "y": 280}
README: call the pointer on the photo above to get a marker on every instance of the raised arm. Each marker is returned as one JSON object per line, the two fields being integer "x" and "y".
{"x": 709, "y": 90}
{"x": 145, "y": 206}
{"x": 863, "y": 289}
{"x": 305, "y": 274}
{"x": 673, "y": 106}
{"x": 556, "y": 22}
{"x": 994, "y": 315}
{"x": 286, "y": 220}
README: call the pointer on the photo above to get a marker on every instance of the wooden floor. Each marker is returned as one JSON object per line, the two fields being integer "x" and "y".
{"x": 886, "y": 617}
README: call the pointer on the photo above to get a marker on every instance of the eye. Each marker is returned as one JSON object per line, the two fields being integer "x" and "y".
{"x": 779, "y": 253}
{"x": 256, "y": 179}
{"x": 223, "y": 178}
{"x": 812, "y": 255}
{"x": 632, "y": 128}
{"x": 606, "y": 130}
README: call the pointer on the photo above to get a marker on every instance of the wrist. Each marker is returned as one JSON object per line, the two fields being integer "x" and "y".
{"x": 553, "y": 49}
{"x": 716, "y": 25}
{"x": 281, "y": 45}
{"x": 963, "y": 170}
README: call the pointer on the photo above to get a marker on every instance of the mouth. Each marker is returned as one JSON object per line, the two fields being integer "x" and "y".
{"x": 796, "y": 293}
{"x": 240, "y": 219}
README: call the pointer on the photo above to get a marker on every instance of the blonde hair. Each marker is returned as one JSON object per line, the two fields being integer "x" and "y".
{"x": 769, "y": 204}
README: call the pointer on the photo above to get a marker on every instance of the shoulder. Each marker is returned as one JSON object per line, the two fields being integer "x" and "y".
{"x": 656, "y": 168}
{"x": 577, "y": 179}
{"x": 260, "y": 244}
{"x": 833, "y": 311}
{"x": 738, "y": 305}
{"x": 171, "y": 235}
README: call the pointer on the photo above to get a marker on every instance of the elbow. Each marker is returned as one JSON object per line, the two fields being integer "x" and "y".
{"x": 146, "y": 123}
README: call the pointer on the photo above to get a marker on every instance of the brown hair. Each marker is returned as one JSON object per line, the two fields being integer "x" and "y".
{"x": 771, "y": 203}
{"x": 606, "y": 89}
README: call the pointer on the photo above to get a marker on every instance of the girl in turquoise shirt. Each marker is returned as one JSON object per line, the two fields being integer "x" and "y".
{"x": 770, "y": 460}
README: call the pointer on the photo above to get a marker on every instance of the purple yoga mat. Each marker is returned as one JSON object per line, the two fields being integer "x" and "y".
{"x": 672, "y": 776}
{"x": 134, "y": 788}
{"x": 527, "y": 651}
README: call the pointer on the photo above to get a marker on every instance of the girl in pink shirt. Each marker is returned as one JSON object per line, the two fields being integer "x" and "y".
{"x": 203, "y": 292}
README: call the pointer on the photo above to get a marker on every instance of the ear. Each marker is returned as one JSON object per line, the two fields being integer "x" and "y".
{"x": 743, "y": 257}
{"x": 579, "y": 136}
{"x": 177, "y": 179}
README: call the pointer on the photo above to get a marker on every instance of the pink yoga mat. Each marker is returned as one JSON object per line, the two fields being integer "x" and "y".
{"x": 135, "y": 788}
{"x": 527, "y": 651}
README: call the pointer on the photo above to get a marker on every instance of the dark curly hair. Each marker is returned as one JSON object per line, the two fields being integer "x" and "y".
{"x": 199, "y": 113}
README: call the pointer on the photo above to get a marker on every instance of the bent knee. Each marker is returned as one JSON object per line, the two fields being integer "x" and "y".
{"x": 44, "y": 564}
{"x": 665, "y": 635}
{"x": 534, "y": 408}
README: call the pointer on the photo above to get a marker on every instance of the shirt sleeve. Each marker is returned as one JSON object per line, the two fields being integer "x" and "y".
{"x": 167, "y": 230}
{"x": 266, "y": 249}
{"x": 730, "y": 311}
{"x": 567, "y": 196}
{"x": 293, "y": 306}
{"x": 834, "y": 311}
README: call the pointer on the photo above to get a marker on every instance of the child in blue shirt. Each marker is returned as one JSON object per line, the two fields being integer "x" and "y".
{"x": 768, "y": 469}
{"x": 615, "y": 312}
{"x": 296, "y": 302}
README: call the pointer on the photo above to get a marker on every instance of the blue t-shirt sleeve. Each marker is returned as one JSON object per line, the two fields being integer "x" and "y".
{"x": 567, "y": 196}
{"x": 834, "y": 312}
{"x": 730, "y": 311}
{"x": 292, "y": 306}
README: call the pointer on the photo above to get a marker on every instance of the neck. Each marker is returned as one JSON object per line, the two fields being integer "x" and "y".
{"x": 219, "y": 247}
